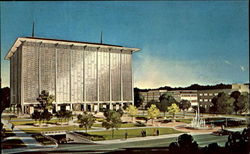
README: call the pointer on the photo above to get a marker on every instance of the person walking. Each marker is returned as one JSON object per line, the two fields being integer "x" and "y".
{"x": 157, "y": 132}
{"x": 126, "y": 135}
{"x": 12, "y": 127}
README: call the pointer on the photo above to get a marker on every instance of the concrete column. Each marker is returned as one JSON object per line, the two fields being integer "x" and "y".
{"x": 97, "y": 75}
{"x": 31, "y": 109}
{"x": 111, "y": 106}
{"x": 110, "y": 85}
{"x": 84, "y": 81}
{"x": 55, "y": 71}
{"x": 117, "y": 106}
{"x": 84, "y": 107}
{"x": 71, "y": 106}
{"x": 121, "y": 76}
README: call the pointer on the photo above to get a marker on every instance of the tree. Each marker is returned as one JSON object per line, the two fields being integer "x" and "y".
{"x": 5, "y": 99}
{"x": 45, "y": 100}
{"x": 132, "y": 111}
{"x": 222, "y": 103}
{"x": 138, "y": 97}
{"x": 36, "y": 115}
{"x": 46, "y": 115}
{"x": 60, "y": 115}
{"x": 184, "y": 105}
{"x": 86, "y": 120}
{"x": 153, "y": 112}
{"x": 235, "y": 95}
{"x": 241, "y": 102}
{"x": 173, "y": 109}
{"x": 113, "y": 120}
{"x": 67, "y": 115}
{"x": 166, "y": 100}
{"x": 148, "y": 105}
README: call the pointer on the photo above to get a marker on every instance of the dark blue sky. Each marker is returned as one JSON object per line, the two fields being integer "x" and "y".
{"x": 181, "y": 42}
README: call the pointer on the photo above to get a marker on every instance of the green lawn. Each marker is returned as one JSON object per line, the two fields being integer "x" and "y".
{"x": 52, "y": 121}
{"x": 188, "y": 121}
{"x": 119, "y": 134}
{"x": 125, "y": 125}
{"x": 59, "y": 128}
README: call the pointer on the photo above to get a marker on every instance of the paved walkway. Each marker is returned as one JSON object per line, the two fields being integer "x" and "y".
{"x": 29, "y": 141}
{"x": 143, "y": 138}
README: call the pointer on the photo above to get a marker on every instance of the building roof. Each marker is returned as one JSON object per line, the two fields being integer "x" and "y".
{"x": 19, "y": 41}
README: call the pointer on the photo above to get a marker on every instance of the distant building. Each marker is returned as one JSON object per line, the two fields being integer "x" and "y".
{"x": 196, "y": 97}
{"x": 81, "y": 75}
{"x": 241, "y": 87}
{"x": 205, "y": 96}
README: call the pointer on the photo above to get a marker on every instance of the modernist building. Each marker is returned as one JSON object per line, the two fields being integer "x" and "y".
{"x": 81, "y": 75}
{"x": 205, "y": 96}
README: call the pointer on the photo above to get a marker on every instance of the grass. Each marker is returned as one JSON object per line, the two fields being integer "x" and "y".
{"x": 52, "y": 121}
{"x": 188, "y": 121}
{"x": 60, "y": 128}
{"x": 125, "y": 125}
{"x": 119, "y": 134}
{"x": 13, "y": 143}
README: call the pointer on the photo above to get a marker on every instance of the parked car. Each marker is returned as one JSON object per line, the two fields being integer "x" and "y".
{"x": 222, "y": 132}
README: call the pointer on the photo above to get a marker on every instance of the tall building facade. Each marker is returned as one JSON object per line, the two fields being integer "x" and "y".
{"x": 81, "y": 75}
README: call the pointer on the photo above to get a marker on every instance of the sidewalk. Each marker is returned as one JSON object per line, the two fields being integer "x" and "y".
{"x": 29, "y": 141}
{"x": 144, "y": 138}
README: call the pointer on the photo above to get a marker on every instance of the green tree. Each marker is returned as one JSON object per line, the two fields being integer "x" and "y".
{"x": 242, "y": 103}
{"x": 36, "y": 115}
{"x": 46, "y": 115}
{"x": 222, "y": 103}
{"x": 166, "y": 100}
{"x": 5, "y": 99}
{"x": 60, "y": 115}
{"x": 236, "y": 95}
{"x": 173, "y": 109}
{"x": 113, "y": 120}
{"x": 45, "y": 100}
{"x": 132, "y": 111}
{"x": 153, "y": 112}
{"x": 184, "y": 105}
{"x": 67, "y": 115}
{"x": 86, "y": 120}
{"x": 138, "y": 97}
{"x": 151, "y": 102}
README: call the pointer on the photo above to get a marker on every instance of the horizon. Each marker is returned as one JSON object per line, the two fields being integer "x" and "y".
{"x": 182, "y": 43}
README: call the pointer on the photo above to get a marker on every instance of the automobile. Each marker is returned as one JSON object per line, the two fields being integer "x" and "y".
{"x": 222, "y": 132}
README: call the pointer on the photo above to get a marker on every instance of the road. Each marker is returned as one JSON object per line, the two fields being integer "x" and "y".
{"x": 202, "y": 140}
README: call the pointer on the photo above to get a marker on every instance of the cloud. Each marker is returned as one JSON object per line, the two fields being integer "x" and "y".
{"x": 242, "y": 68}
{"x": 227, "y": 62}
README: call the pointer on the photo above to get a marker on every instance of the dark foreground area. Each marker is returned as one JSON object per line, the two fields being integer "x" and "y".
{"x": 237, "y": 143}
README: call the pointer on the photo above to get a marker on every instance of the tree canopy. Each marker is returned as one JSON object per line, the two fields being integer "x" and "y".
{"x": 132, "y": 111}
{"x": 86, "y": 120}
{"x": 153, "y": 112}
{"x": 184, "y": 105}
{"x": 222, "y": 103}
{"x": 173, "y": 109}
{"x": 113, "y": 120}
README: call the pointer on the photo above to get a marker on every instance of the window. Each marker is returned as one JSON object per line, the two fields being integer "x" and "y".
{"x": 205, "y": 94}
{"x": 201, "y": 94}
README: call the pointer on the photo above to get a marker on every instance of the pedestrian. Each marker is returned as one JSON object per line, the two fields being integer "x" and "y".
{"x": 142, "y": 133}
{"x": 222, "y": 127}
{"x": 157, "y": 132}
{"x": 12, "y": 127}
{"x": 126, "y": 135}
